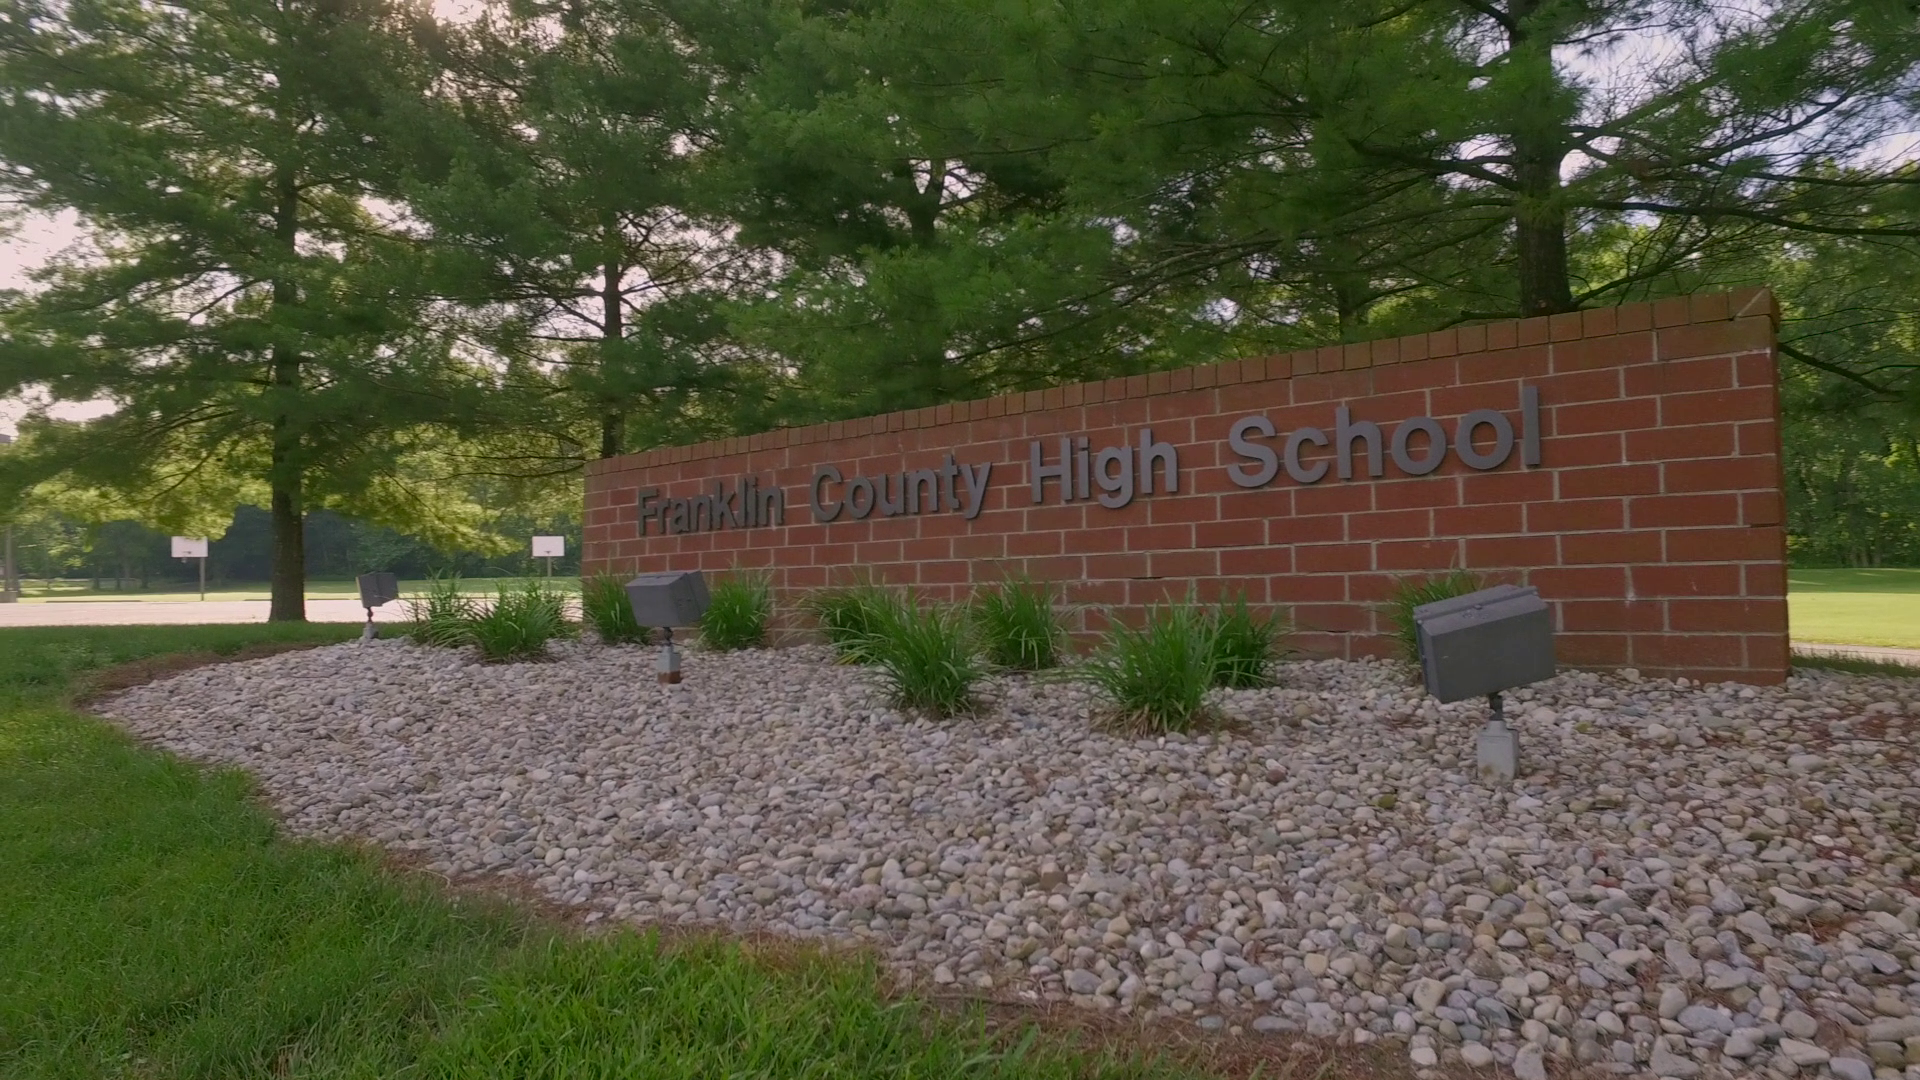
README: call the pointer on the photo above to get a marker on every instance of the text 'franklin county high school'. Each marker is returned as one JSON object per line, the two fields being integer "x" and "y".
{"x": 1067, "y": 468}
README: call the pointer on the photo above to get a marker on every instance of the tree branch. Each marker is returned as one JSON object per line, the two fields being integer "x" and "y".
{"x": 1813, "y": 361}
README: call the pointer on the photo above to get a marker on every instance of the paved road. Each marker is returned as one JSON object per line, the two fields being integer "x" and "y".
{"x": 160, "y": 612}
{"x": 1865, "y": 652}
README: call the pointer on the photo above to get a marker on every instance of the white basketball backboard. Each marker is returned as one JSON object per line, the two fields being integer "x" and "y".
{"x": 545, "y": 547}
{"x": 189, "y": 547}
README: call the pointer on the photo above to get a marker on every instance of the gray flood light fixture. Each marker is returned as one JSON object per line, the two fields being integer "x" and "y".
{"x": 375, "y": 589}
{"x": 1482, "y": 644}
{"x": 665, "y": 600}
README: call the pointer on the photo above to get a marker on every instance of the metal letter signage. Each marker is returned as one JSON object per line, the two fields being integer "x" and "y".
{"x": 743, "y": 506}
{"x": 1068, "y": 469}
{"x": 915, "y": 491}
{"x": 1120, "y": 471}
{"x": 1418, "y": 445}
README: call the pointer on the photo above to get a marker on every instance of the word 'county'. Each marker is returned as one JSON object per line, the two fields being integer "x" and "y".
{"x": 912, "y": 491}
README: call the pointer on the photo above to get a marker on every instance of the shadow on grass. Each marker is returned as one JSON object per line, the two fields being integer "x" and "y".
{"x": 48, "y": 661}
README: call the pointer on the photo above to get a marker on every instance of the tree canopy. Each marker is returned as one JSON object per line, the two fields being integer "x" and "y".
{"x": 250, "y": 312}
{"x": 354, "y": 256}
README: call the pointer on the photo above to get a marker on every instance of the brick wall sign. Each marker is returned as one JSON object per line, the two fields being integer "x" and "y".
{"x": 1625, "y": 461}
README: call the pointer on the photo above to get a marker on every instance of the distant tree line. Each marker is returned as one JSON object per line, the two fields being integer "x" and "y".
{"x": 129, "y": 556}
{"x": 1853, "y": 488}
{"x": 348, "y": 256}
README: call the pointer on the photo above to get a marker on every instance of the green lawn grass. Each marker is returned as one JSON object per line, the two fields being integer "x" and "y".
{"x": 152, "y": 924}
{"x": 1855, "y": 607}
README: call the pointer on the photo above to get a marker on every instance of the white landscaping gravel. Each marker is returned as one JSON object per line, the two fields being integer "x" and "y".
{"x": 1688, "y": 881}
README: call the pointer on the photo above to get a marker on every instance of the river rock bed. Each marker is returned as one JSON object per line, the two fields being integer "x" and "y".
{"x": 1686, "y": 880}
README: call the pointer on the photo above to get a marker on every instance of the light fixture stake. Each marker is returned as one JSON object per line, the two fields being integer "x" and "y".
{"x": 1498, "y": 758}
{"x": 669, "y": 666}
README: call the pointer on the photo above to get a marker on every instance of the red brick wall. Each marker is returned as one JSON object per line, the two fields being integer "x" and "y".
{"x": 1652, "y": 523}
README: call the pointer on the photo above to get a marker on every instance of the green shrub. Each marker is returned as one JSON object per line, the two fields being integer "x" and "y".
{"x": 848, "y": 615}
{"x": 443, "y": 615}
{"x": 1017, "y": 625}
{"x": 1243, "y": 643}
{"x": 738, "y": 612}
{"x": 1410, "y": 593}
{"x": 924, "y": 654}
{"x": 604, "y": 607}
{"x": 520, "y": 622}
{"x": 1156, "y": 678}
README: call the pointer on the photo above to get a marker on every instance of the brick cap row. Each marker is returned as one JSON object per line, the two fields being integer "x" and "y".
{"x": 1709, "y": 307}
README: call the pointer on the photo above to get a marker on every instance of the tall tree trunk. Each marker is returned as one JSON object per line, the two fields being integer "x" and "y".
{"x": 1540, "y": 228}
{"x": 923, "y": 209}
{"x": 931, "y": 378}
{"x": 1352, "y": 296}
{"x": 1539, "y": 147}
{"x": 289, "y": 572}
{"x": 289, "y": 549}
{"x": 612, "y": 332}
{"x": 611, "y": 426}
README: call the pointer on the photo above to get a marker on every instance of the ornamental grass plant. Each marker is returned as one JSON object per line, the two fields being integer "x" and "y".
{"x": 520, "y": 622}
{"x": 1156, "y": 678}
{"x": 1016, "y": 625}
{"x": 1244, "y": 644}
{"x": 924, "y": 654}
{"x": 1410, "y": 593}
{"x": 739, "y": 609}
{"x": 443, "y": 615}
{"x": 605, "y": 610}
{"x": 848, "y": 615}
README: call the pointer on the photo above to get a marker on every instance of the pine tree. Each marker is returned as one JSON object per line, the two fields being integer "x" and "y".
{"x": 1559, "y": 120}
{"x": 922, "y": 257}
{"x": 561, "y": 152}
{"x": 247, "y": 308}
